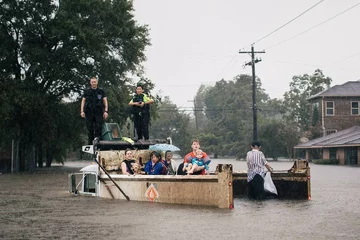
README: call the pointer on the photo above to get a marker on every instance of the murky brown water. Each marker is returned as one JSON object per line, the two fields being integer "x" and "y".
{"x": 38, "y": 206}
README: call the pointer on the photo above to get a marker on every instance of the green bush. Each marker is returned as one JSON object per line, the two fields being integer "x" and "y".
{"x": 326, "y": 161}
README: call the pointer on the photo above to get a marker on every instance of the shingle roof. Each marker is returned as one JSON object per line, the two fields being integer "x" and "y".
{"x": 348, "y": 89}
{"x": 347, "y": 137}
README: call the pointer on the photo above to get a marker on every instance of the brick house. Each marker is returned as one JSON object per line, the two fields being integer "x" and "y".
{"x": 336, "y": 108}
{"x": 337, "y": 111}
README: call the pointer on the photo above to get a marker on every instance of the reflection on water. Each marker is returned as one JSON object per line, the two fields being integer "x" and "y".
{"x": 38, "y": 206}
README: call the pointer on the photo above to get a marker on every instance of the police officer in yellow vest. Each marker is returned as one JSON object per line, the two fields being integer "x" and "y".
{"x": 140, "y": 108}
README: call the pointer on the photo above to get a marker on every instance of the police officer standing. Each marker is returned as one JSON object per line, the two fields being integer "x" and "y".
{"x": 94, "y": 108}
{"x": 140, "y": 108}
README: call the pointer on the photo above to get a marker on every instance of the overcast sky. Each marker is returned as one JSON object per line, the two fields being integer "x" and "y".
{"x": 197, "y": 42}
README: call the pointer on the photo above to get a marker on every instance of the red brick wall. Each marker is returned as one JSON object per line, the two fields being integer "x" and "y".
{"x": 342, "y": 118}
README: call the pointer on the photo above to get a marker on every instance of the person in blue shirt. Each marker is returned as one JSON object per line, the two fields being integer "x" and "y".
{"x": 197, "y": 162}
{"x": 155, "y": 166}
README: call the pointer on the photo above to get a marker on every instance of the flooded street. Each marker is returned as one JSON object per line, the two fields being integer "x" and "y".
{"x": 39, "y": 206}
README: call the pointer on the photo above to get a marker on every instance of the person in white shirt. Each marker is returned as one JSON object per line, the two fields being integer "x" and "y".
{"x": 256, "y": 162}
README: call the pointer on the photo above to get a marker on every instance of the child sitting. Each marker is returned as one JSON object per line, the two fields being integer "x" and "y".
{"x": 197, "y": 162}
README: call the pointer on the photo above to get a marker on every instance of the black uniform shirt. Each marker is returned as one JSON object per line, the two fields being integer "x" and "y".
{"x": 94, "y": 99}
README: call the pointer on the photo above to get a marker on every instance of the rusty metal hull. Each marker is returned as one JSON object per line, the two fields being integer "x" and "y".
{"x": 208, "y": 190}
{"x": 290, "y": 184}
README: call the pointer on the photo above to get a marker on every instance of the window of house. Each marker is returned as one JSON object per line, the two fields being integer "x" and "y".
{"x": 330, "y": 108}
{"x": 354, "y": 108}
{"x": 332, "y": 153}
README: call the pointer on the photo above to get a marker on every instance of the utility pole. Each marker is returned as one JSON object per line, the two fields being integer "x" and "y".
{"x": 252, "y": 64}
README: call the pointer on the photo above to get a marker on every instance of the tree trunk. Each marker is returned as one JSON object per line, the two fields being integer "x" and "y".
{"x": 21, "y": 156}
{"x": 30, "y": 157}
{"x": 40, "y": 156}
{"x": 17, "y": 157}
{"x": 49, "y": 157}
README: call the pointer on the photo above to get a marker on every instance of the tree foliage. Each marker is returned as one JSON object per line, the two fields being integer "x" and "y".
{"x": 199, "y": 106}
{"x": 229, "y": 117}
{"x": 228, "y": 109}
{"x": 278, "y": 138}
{"x": 301, "y": 88}
{"x": 49, "y": 51}
{"x": 172, "y": 123}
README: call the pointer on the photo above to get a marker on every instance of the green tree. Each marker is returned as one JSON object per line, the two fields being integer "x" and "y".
{"x": 301, "y": 88}
{"x": 228, "y": 108}
{"x": 172, "y": 123}
{"x": 278, "y": 138}
{"x": 211, "y": 143}
{"x": 199, "y": 106}
{"x": 49, "y": 51}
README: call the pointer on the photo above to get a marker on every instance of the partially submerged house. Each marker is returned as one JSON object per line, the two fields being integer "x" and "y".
{"x": 337, "y": 111}
{"x": 343, "y": 145}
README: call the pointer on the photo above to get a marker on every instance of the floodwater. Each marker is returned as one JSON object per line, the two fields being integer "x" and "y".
{"x": 39, "y": 206}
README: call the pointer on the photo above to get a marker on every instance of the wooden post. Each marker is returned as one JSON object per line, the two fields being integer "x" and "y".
{"x": 225, "y": 181}
{"x": 308, "y": 183}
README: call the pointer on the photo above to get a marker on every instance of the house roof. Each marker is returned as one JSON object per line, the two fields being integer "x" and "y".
{"x": 345, "y": 138}
{"x": 348, "y": 89}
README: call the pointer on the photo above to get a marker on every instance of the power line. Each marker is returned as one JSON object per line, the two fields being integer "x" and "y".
{"x": 232, "y": 59}
{"x": 227, "y": 65}
{"x": 327, "y": 20}
{"x": 289, "y": 21}
{"x": 346, "y": 58}
{"x": 321, "y": 65}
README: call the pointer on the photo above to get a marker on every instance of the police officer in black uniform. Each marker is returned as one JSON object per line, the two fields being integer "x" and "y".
{"x": 94, "y": 108}
{"x": 140, "y": 108}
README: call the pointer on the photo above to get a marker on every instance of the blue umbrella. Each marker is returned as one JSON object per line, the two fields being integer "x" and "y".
{"x": 164, "y": 147}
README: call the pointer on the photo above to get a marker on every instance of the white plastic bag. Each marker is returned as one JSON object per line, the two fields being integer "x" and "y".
{"x": 269, "y": 185}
